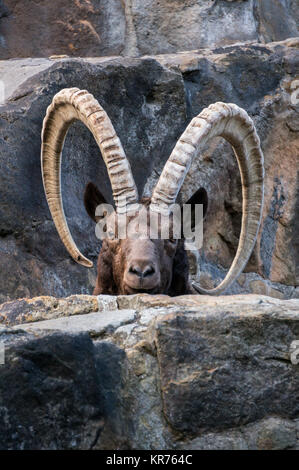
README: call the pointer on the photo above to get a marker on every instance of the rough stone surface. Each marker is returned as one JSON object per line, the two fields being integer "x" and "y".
{"x": 139, "y": 96}
{"x": 45, "y": 308}
{"x": 134, "y": 27}
{"x": 267, "y": 434}
{"x": 92, "y": 323}
{"x": 50, "y": 396}
{"x": 170, "y": 26}
{"x": 76, "y": 28}
{"x": 195, "y": 392}
{"x": 232, "y": 74}
{"x": 191, "y": 372}
{"x": 142, "y": 96}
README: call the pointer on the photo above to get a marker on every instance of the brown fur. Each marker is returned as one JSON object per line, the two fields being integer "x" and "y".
{"x": 132, "y": 266}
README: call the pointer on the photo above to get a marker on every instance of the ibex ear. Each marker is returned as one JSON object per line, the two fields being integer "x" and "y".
{"x": 199, "y": 197}
{"x": 92, "y": 198}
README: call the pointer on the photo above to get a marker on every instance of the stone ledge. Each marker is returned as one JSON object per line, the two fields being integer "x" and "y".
{"x": 42, "y": 308}
{"x": 95, "y": 324}
{"x": 165, "y": 373}
{"x": 45, "y": 308}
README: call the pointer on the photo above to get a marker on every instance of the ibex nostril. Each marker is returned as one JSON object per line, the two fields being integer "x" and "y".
{"x": 142, "y": 272}
{"x": 149, "y": 271}
{"x": 135, "y": 270}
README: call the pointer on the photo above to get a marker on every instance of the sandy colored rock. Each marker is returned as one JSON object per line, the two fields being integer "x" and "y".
{"x": 45, "y": 308}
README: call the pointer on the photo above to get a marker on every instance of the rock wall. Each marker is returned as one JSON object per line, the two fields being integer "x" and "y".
{"x": 149, "y": 372}
{"x": 135, "y": 27}
{"x": 150, "y": 101}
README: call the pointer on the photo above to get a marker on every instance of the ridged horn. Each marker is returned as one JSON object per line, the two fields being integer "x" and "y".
{"x": 234, "y": 125}
{"x": 68, "y": 105}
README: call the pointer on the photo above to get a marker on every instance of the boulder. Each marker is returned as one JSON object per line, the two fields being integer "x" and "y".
{"x": 172, "y": 26}
{"x": 50, "y": 395}
{"x": 150, "y": 101}
{"x": 198, "y": 372}
{"x": 76, "y": 28}
{"x": 91, "y": 28}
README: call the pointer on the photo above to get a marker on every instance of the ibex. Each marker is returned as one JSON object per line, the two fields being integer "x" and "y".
{"x": 127, "y": 266}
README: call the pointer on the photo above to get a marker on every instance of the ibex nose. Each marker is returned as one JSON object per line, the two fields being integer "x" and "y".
{"x": 142, "y": 275}
{"x": 141, "y": 271}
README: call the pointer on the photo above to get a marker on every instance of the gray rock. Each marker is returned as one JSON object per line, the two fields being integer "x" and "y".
{"x": 107, "y": 302}
{"x": 163, "y": 27}
{"x": 210, "y": 348}
{"x": 136, "y": 27}
{"x": 232, "y": 75}
{"x": 272, "y": 434}
{"x": 95, "y": 324}
{"x": 277, "y": 20}
{"x": 42, "y": 29}
{"x": 189, "y": 372}
{"x": 268, "y": 434}
{"x": 50, "y": 397}
{"x": 230, "y": 440}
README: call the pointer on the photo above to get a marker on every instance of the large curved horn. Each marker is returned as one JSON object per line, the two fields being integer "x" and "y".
{"x": 234, "y": 125}
{"x": 68, "y": 105}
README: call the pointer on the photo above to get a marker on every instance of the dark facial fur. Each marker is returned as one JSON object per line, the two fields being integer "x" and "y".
{"x": 127, "y": 266}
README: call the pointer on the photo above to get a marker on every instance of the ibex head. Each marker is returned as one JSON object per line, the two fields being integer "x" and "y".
{"x": 142, "y": 263}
